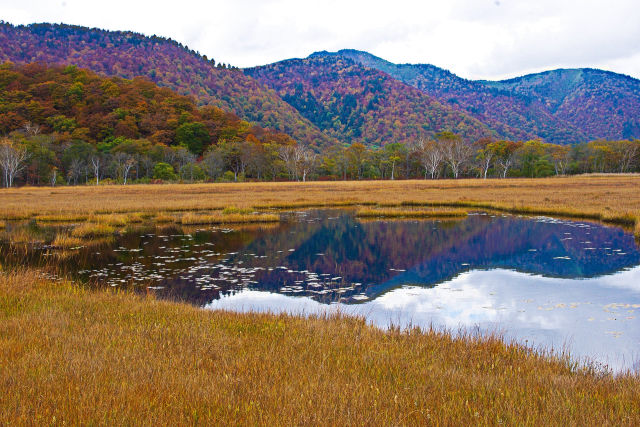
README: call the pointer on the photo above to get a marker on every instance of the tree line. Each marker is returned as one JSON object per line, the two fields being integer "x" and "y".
{"x": 30, "y": 157}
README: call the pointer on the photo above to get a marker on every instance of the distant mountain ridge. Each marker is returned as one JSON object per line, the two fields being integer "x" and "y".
{"x": 351, "y": 96}
{"x": 354, "y": 103}
{"x": 560, "y": 106}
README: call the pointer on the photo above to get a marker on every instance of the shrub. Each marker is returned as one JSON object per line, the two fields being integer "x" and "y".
{"x": 164, "y": 171}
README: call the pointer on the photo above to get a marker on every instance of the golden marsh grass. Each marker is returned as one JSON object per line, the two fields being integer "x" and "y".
{"x": 230, "y": 218}
{"x": 602, "y": 196}
{"x": 89, "y": 230}
{"x": 75, "y": 356}
{"x": 144, "y": 361}
{"x": 163, "y": 218}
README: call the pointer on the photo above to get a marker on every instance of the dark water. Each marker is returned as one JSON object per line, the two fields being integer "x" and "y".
{"x": 547, "y": 282}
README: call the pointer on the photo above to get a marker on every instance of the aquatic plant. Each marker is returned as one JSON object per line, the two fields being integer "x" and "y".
{"x": 63, "y": 240}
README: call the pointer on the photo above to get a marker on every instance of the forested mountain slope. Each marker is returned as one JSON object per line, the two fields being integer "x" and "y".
{"x": 77, "y": 104}
{"x": 165, "y": 62}
{"x": 354, "y": 103}
{"x": 560, "y": 106}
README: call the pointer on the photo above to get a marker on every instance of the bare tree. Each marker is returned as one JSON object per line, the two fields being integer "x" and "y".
{"x": 431, "y": 157}
{"x": 76, "y": 168}
{"x": 123, "y": 162}
{"x": 628, "y": 153}
{"x": 96, "y": 164}
{"x": 456, "y": 151}
{"x": 31, "y": 129}
{"x": 128, "y": 164}
{"x": 287, "y": 154}
{"x": 485, "y": 157}
{"x": 213, "y": 163}
{"x": 54, "y": 176}
{"x": 12, "y": 160}
{"x": 306, "y": 159}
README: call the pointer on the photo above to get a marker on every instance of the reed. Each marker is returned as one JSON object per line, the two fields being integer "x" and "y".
{"x": 236, "y": 210}
{"x": 113, "y": 220}
{"x": 231, "y": 218}
{"x": 162, "y": 218}
{"x": 90, "y": 230}
{"x": 65, "y": 241}
{"x": 65, "y": 217}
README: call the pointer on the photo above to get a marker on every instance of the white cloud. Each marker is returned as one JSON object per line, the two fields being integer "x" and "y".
{"x": 473, "y": 38}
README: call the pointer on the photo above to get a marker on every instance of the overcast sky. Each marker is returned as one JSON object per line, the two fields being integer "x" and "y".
{"x": 479, "y": 39}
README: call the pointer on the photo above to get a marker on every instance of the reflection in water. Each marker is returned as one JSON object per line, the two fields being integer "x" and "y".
{"x": 595, "y": 318}
{"x": 550, "y": 282}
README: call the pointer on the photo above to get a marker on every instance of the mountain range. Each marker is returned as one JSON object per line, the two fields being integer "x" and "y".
{"x": 351, "y": 96}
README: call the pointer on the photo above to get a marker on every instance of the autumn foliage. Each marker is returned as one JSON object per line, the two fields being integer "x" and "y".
{"x": 77, "y": 104}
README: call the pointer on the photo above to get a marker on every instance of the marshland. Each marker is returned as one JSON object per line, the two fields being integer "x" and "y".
{"x": 403, "y": 302}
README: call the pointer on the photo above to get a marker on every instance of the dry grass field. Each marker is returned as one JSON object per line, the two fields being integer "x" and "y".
{"x": 613, "y": 198}
{"x": 69, "y": 355}
{"x": 592, "y": 194}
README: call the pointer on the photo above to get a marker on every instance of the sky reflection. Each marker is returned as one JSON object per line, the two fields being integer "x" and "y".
{"x": 595, "y": 318}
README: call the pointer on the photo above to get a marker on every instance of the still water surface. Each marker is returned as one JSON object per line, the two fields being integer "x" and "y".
{"x": 545, "y": 282}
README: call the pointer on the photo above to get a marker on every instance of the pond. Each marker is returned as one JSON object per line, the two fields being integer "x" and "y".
{"x": 547, "y": 283}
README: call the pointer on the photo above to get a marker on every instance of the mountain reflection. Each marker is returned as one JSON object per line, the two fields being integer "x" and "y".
{"x": 332, "y": 256}
{"x": 381, "y": 255}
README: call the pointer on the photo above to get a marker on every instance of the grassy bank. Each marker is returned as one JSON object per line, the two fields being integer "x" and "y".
{"x": 142, "y": 361}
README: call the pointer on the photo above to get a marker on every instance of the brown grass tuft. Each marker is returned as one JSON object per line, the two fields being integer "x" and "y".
{"x": 231, "y": 218}
{"x": 65, "y": 241}
{"x": 162, "y": 218}
{"x": 89, "y": 230}
{"x": 64, "y": 217}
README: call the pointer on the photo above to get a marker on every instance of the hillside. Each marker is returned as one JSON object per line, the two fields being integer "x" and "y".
{"x": 163, "y": 61}
{"x": 79, "y": 104}
{"x": 350, "y": 96}
{"x": 600, "y": 103}
{"x": 561, "y": 106}
{"x": 358, "y": 104}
